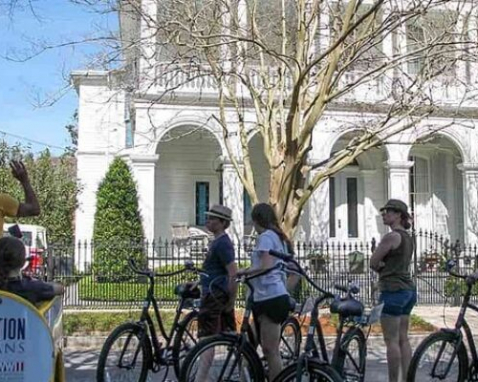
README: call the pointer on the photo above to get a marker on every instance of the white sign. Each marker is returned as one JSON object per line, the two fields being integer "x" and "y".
{"x": 26, "y": 346}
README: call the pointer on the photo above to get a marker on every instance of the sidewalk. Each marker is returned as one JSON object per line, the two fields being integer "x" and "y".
{"x": 445, "y": 317}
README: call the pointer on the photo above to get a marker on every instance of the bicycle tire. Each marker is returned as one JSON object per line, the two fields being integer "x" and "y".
{"x": 356, "y": 371}
{"x": 290, "y": 340}
{"x": 417, "y": 370}
{"x": 255, "y": 373}
{"x": 317, "y": 373}
{"x": 184, "y": 340}
{"x": 144, "y": 345}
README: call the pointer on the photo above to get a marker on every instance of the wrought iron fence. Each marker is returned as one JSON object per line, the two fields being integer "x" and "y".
{"x": 97, "y": 275}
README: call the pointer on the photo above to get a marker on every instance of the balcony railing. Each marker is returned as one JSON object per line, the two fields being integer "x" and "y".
{"x": 194, "y": 81}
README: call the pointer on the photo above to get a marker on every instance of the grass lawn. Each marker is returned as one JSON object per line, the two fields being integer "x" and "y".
{"x": 85, "y": 323}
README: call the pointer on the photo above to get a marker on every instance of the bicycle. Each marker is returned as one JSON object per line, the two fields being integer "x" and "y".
{"x": 447, "y": 346}
{"x": 147, "y": 353}
{"x": 346, "y": 364}
{"x": 228, "y": 356}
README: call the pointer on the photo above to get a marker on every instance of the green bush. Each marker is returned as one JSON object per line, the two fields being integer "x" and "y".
{"x": 457, "y": 287}
{"x": 118, "y": 231}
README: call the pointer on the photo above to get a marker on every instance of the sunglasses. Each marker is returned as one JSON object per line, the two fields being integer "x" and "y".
{"x": 387, "y": 210}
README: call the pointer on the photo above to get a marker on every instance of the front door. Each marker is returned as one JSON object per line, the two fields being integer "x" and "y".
{"x": 344, "y": 206}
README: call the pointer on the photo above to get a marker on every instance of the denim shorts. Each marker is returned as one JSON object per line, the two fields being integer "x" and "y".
{"x": 398, "y": 303}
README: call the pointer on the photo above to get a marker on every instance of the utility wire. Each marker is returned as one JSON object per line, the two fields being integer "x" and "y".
{"x": 32, "y": 140}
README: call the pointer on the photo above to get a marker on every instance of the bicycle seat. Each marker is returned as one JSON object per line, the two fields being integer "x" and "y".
{"x": 347, "y": 307}
{"x": 187, "y": 290}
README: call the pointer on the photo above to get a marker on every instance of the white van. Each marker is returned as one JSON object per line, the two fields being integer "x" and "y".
{"x": 34, "y": 238}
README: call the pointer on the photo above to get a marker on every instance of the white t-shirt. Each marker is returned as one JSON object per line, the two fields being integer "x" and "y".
{"x": 271, "y": 284}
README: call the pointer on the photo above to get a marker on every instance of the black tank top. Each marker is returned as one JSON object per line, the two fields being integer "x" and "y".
{"x": 395, "y": 275}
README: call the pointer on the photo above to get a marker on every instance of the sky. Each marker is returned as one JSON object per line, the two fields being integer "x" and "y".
{"x": 31, "y": 111}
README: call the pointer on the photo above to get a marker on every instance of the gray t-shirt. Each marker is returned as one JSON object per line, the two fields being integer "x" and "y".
{"x": 271, "y": 284}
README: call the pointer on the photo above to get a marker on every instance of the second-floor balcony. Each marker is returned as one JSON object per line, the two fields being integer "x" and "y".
{"x": 193, "y": 82}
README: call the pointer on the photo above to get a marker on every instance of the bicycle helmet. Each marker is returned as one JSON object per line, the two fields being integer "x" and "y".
{"x": 347, "y": 307}
{"x": 187, "y": 290}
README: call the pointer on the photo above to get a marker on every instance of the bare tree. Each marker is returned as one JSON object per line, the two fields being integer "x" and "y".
{"x": 279, "y": 65}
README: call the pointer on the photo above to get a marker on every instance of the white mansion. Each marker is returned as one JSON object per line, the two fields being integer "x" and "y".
{"x": 180, "y": 163}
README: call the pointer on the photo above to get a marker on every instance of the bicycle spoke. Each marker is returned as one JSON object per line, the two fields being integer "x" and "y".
{"x": 438, "y": 362}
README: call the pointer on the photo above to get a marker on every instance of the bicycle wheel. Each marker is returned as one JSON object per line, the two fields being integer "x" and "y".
{"x": 290, "y": 340}
{"x": 185, "y": 339}
{"x": 351, "y": 357}
{"x": 126, "y": 355}
{"x": 439, "y": 358}
{"x": 314, "y": 372}
{"x": 222, "y": 358}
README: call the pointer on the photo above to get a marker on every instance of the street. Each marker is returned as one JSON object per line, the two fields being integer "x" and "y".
{"x": 81, "y": 363}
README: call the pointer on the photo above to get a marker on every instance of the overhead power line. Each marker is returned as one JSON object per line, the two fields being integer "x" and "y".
{"x": 32, "y": 140}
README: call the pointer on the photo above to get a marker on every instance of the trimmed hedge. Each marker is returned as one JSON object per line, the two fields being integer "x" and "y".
{"x": 134, "y": 289}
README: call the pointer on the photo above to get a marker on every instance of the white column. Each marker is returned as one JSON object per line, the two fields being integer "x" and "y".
{"x": 143, "y": 168}
{"x": 470, "y": 205}
{"x": 233, "y": 195}
{"x": 399, "y": 180}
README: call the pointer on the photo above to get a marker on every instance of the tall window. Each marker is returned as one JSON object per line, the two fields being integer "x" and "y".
{"x": 431, "y": 35}
{"x": 343, "y": 207}
{"x": 419, "y": 185}
{"x": 202, "y": 202}
{"x": 352, "y": 207}
{"x": 332, "y": 232}
{"x": 363, "y": 48}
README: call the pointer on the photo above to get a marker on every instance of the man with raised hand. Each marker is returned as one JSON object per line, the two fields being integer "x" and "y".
{"x": 11, "y": 207}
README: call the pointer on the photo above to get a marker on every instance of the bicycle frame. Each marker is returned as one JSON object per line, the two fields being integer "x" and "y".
{"x": 241, "y": 338}
{"x": 311, "y": 350}
{"x": 160, "y": 354}
{"x": 460, "y": 325}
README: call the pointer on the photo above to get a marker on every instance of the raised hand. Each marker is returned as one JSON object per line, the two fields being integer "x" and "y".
{"x": 19, "y": 171}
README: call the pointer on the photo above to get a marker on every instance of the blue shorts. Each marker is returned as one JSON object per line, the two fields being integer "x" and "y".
{"x": 399, "y": 303}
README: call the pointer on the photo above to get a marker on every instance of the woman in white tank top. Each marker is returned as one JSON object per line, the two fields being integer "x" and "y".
{"x": 270, "y": 297}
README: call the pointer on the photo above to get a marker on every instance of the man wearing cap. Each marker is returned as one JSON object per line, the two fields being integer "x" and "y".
{"x": 392, "y": 260}
{"x": 11, "y": 207}
{"x": 218, "y": 285}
